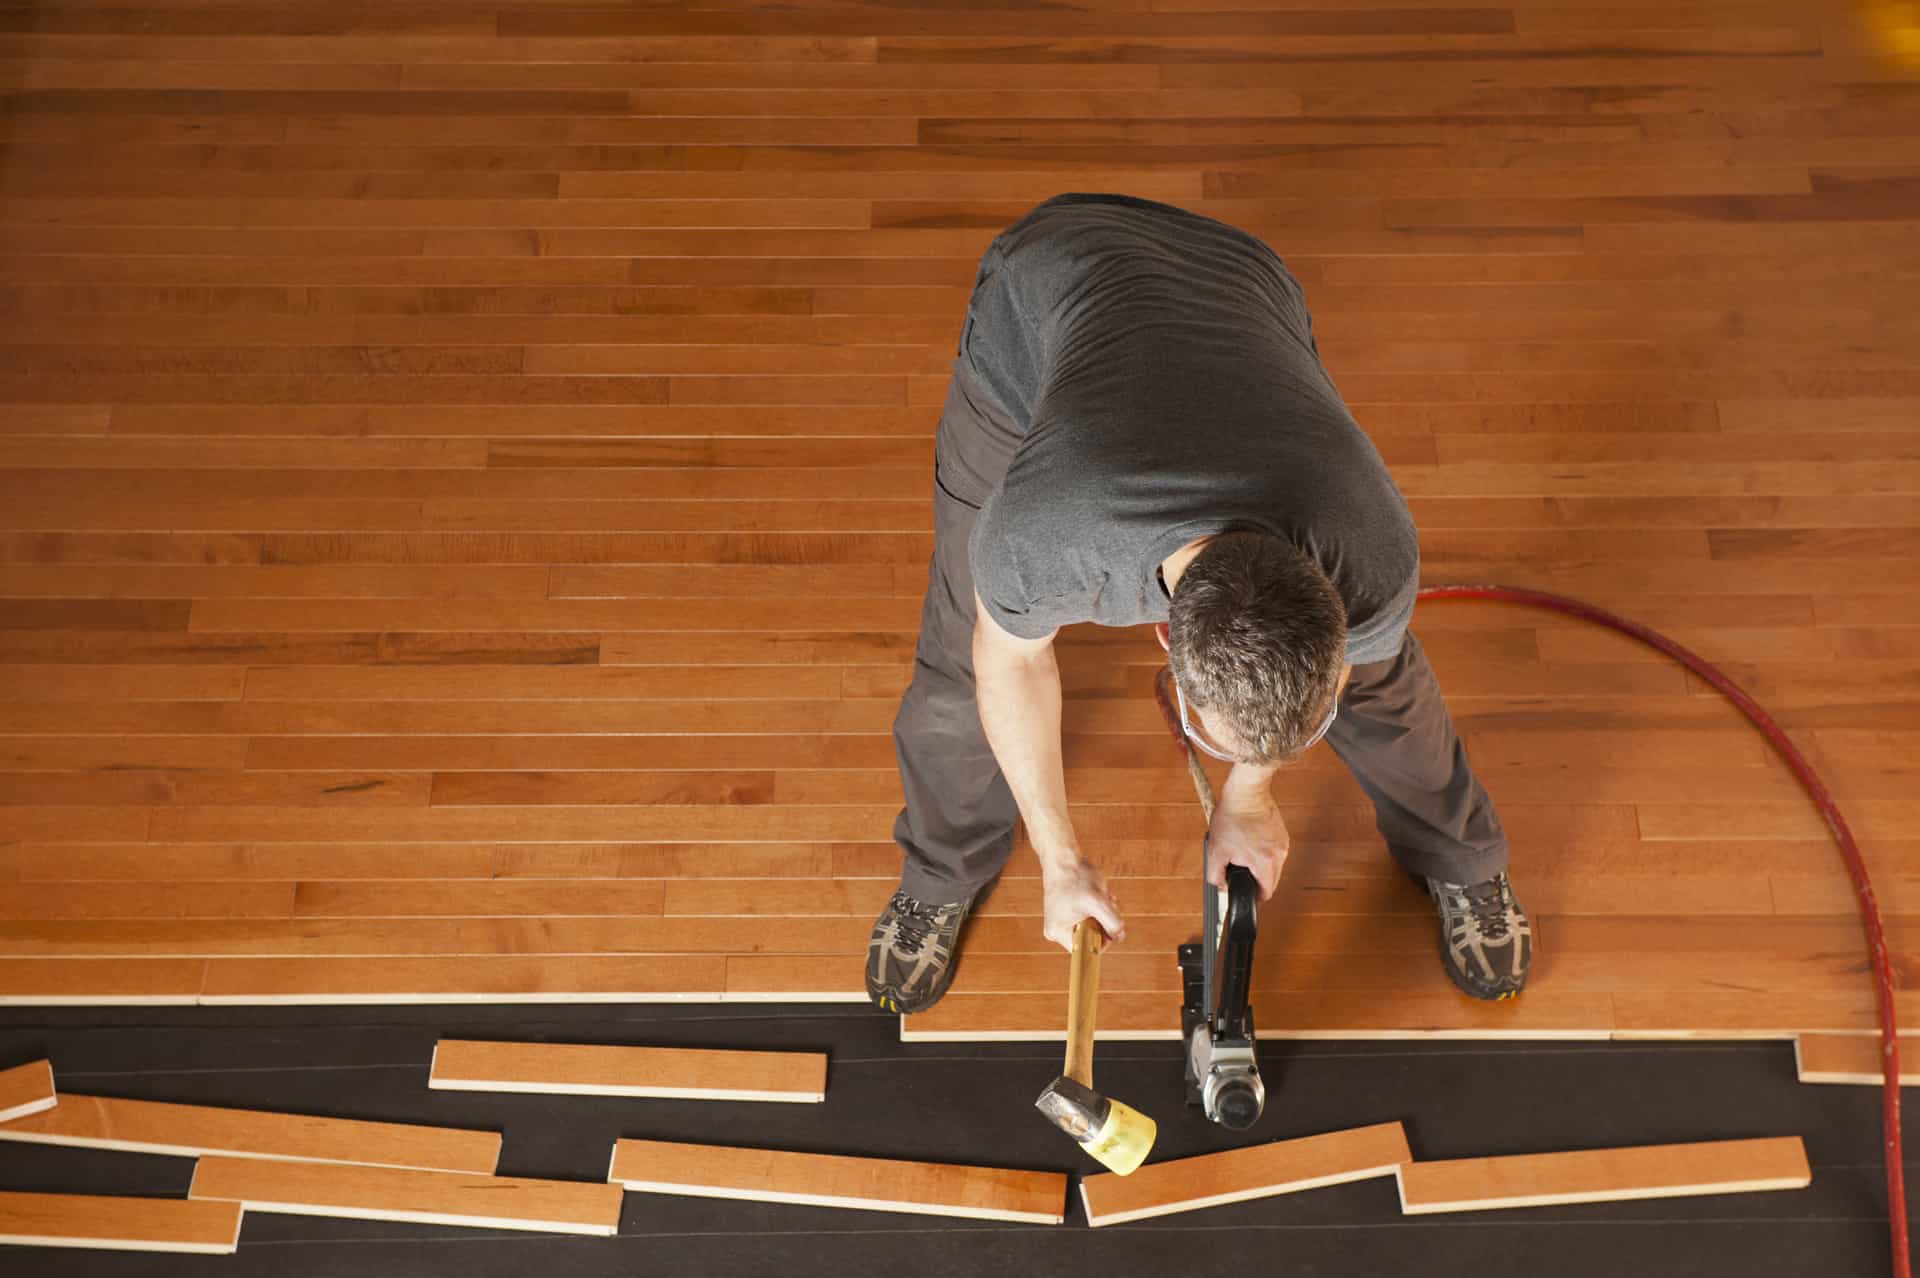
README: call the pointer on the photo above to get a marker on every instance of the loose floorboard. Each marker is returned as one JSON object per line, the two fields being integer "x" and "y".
{"x": 464, "y": 487}
{"x": 587, "y": 1070}
{"x": 26, "y": 1089}
{"x": 1236, "y": 1175}
{"x": 1604, "y": 1175}
{"x": 1462, "y": 1098}
{"x": 103, "y": 1223}
{"x": 153, "y": 1127}
{"x": 1851, "y": 1058}
{"x": 832, "y": 1180}
{"x": 423, "y": 1197}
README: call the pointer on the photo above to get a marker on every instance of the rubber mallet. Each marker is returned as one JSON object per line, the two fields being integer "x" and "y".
{"x": 1119, "y": 1136}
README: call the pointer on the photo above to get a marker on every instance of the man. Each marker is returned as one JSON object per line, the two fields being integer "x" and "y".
{"x": 1139, "y": 430}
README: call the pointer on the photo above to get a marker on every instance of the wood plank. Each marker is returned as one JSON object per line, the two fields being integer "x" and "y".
{"x": 394, "y": 940}
{"x": 338, "y": 863}
{"x": 1132, "y": 1017}
{"x": 1604, "y": 1175}
{"x": 1237, "y": 1175}
{"x": 1364, "y": 977}
{"x": 147, "y": 900}
{"x": 580, "y": 1069}
{"x": 1658, "y": 892}
{"x": 1850, "y": 1058}
{"x": 113, "y": 981}
{"x": 733, "y": 822}
{"x": 597, "y": 978}
{"x": 26, "y": 1089}
{"x": 422, "y": 1197}
{"x": 154, "y": 1127}
{"x": 1752, "y": 1015}
{"x": 423, "y": 898}
{"x": 832, "y": 1180}
{"x": 119, "y": 1224}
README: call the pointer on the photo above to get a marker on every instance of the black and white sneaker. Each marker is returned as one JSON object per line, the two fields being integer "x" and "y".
{"x": 1486, "y": 941}
{"x": 910, "y": 958}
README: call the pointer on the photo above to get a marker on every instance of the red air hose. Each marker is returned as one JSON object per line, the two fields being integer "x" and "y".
{"x": 1849, "y": 853}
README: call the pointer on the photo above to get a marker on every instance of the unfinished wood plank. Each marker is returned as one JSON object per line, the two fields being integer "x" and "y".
{"x": 1851, "y": 1058}
{"x": 835, "y": 1180}
{"x": 422, "y": 1197}
{"x": 583, "y": 1069}
{"x": 26, "y": 1089}
{"x": 156, "y": 1127}
{"x": 1604, "y": 1175}
{"x": 112, "y": 1223}
{"x": 1236, "y": 1175}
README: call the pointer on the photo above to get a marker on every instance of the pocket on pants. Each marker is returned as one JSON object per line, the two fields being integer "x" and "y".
{"x": 940, "y": 483}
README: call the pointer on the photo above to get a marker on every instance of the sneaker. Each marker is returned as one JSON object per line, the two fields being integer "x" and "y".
{"x": 1486, "y": 942}
{"x": 910, "y": 958}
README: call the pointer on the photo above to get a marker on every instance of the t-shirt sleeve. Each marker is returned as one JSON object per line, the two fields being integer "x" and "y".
{"x": 1003, "y": 583}
{"x": 1378, "y": 636}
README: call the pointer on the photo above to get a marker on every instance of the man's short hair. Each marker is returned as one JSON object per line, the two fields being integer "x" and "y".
{"x": 1258, "y": 635}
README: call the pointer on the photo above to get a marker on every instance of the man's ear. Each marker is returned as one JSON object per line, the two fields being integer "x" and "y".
{"x": 1161, "y": 633}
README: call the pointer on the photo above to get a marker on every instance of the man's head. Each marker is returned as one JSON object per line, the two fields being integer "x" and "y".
{"x": 1257, "y": 638}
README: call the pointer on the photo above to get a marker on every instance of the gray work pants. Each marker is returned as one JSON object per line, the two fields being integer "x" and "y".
{"x": 956, "y": 829}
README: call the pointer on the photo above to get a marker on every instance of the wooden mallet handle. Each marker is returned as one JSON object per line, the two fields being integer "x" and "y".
{"x": 1083, "y": 992}
{"x": 1163, "y": 696}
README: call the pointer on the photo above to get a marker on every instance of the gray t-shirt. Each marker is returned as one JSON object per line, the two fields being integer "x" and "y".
{"x": 1161, "y": 365}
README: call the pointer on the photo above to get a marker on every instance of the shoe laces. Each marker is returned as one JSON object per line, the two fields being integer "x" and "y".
{"x": 912, "y": 924}
{"x": 1487, "y": 903}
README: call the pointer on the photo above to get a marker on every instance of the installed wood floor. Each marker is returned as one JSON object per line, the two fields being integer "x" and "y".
{"x": 466, "y": 485}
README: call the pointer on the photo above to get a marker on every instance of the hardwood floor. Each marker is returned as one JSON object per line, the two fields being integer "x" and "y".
{"x": 464, "y": 486}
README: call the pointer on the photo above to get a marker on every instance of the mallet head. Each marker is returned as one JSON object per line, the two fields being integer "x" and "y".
{"x": 1117, "y": 1135}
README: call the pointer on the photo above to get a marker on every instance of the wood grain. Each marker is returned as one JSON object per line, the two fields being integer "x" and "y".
{"x": 153, "y": 1127}
{"x": 587, "y": 1070}
{"x": 112, "y": 981}
{"x": 832, "y": 1180}
{"x": 26, "y": 1089}
{"x": 119, "y": 1223}
{"x": 1237, "y": 1175}
{"x": 1847, "y": 1058}
{"x": 539, "y": 977}
{"x": 464, "y": 504}
{"x": 423, "y": 1197}
{"x": 969, "y": 1017}
{"x": 1604, "y": 1175}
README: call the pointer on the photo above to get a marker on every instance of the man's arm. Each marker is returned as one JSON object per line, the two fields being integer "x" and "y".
{"x": 1247, "y": 827}
{"x": 1018, "y": 688}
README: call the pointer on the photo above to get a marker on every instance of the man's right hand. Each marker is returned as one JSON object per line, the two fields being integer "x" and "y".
{"x": 1074, "y": 890}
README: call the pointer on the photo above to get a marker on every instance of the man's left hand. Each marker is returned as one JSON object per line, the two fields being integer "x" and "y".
{"x": 1248, "y": 833}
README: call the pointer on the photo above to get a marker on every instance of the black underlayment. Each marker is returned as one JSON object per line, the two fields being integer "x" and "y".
{"x": 945, "y": 1102}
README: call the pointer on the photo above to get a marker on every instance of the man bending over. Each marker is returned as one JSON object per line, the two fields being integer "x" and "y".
{"x": 1139, "y": 431}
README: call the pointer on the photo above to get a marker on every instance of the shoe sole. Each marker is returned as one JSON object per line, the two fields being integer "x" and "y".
{"x": 887, "y": 1001}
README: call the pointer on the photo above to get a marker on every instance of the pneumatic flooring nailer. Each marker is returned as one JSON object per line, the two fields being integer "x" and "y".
{"x": 1216, "y": 1020}
{"x": 1216, "y": 973}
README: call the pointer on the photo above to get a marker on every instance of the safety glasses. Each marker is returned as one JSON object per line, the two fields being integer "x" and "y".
{"x": 1207, "y": 747}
